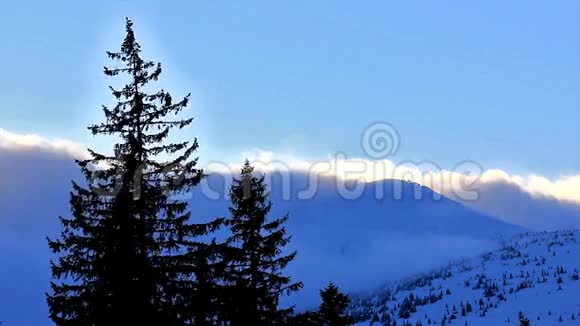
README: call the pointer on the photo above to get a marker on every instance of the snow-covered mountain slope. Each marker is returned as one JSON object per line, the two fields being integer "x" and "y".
{"x": 536, "y": 274}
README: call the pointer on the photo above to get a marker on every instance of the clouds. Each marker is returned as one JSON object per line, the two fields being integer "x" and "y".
{"x": 467, "y": 182}
{"x": 507, "y": 201}
{"x": 464, "y": 177}
{"x": 533, "y": 201}
{"x": 14, "y": 142}
{"x": 458, "y": 181}
{"x": 564, "y": 188}
{"x": 35, "y": 176}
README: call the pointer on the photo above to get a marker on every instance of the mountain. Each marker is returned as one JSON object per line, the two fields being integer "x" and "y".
{"x": 352, "y": 211}
{"x": 358, "y": 235}
{"x": 533, "y": 274}
{"x": 394, "y": 205}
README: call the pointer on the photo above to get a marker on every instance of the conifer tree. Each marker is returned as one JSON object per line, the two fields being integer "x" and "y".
{"x": 129, "y": 254}
{"x": 332, "y": 309}
{"x": 523, "y": 321}
{"x": 256, "y": 259}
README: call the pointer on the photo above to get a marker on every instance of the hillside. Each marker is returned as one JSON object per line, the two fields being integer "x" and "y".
{"x": 536, "y": 274}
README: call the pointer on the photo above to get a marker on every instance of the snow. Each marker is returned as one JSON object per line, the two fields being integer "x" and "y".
{"x": 524, "y": 259}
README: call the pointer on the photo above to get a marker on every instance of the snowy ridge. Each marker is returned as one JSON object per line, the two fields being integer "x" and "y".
{"x": 536, "y": 274}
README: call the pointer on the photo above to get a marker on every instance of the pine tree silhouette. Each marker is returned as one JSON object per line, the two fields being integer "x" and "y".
{"x": 333, "y": 306}
{"x": 256, "y": 258}
{"x": 129, "y": 255}
{"x": 523, "y": 320}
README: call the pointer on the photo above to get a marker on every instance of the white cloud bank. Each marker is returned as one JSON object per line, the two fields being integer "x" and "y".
{"x": 460, "y": 182}
{"x": 14, "y": 142}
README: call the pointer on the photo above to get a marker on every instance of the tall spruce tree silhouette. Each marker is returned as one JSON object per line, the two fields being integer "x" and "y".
{"x": 129, "y": 254}
{"x": 256, "y": 259}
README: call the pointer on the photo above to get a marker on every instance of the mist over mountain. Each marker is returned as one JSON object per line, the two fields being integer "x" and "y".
{"x": 510, "y": 203}
{"x": 533, "y": 274}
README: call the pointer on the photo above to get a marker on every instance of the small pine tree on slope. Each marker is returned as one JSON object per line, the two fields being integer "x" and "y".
{"x": 256, "y": 258}
{"x": 523, "y": 320}
{"x": 332, "y": 309}
{"x": 126, "y": 254}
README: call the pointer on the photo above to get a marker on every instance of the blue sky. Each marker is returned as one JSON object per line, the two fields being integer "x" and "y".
{"x": 495, "y": 81}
